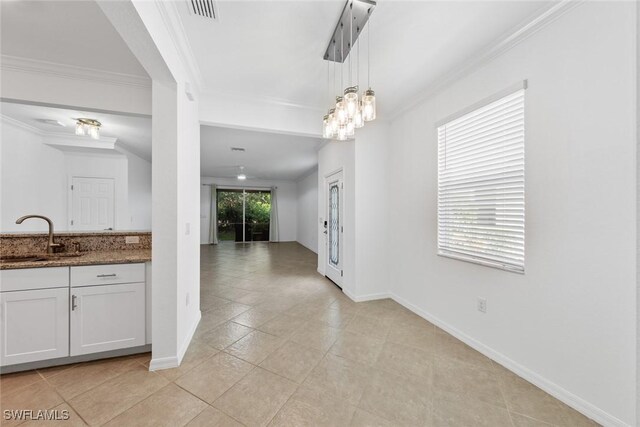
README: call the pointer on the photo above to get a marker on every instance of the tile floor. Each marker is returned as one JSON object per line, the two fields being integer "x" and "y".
{"x": 280, "y": 345}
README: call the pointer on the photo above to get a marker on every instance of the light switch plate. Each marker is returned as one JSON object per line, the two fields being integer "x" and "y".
{"x": 132, "y": 240}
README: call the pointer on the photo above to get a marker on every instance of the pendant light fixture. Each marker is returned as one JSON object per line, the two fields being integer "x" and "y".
{"x": 350, "y": 111}
{"x": 369, "y": 97}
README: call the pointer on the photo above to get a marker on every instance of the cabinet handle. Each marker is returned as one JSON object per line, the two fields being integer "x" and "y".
{"x": 73, "y": 302}
{"x": 106, "y": 275}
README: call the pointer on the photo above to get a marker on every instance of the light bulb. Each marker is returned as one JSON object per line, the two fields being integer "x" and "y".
{"x": 341, "y": 111}
{"x": 79, "y": 129}
{"x": 242, "y": 177}
{"x": 351, "y": 101}
{"x": 369, "y": 105}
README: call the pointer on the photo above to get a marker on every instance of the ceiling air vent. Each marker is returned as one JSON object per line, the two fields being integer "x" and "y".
{"x": 240, "y": 149}
{"x": 204, "y": 8}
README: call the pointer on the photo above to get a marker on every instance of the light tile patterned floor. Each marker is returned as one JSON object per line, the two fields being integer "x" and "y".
{"x": 280, "y": 345}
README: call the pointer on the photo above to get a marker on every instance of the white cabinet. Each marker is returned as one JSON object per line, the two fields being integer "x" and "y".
{"x": 34, "y": 325}
{"x": 56, "y": 312}
{"x": 108, "y": 307}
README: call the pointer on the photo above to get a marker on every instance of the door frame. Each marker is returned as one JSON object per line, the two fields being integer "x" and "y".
{"x": 70, "y": 178}
{"x": 326, "y": 218}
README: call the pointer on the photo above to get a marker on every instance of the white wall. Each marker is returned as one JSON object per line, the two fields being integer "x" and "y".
{"x": 286, "y": 198}
{"x": 375, "y": 215}
{"x": 33, "y": 180}
{"x": 568, "y": 323}
{"x": 308, "y": 219}
{"x": 36, "y": 179}
{"x": 139, "y": 192}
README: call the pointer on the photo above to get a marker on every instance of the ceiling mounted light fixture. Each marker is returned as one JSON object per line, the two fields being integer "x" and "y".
{"x": 241, "y": 176}
{"x": 90, "y": 127}
{"x": 350, "y": 111}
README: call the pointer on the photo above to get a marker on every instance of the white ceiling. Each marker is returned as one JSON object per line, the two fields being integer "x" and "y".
{"x": 269, "y": 156}
{"x": 273, "y": 49}
{"x": 132, "y": 133}
{"x": 65, "y": 32}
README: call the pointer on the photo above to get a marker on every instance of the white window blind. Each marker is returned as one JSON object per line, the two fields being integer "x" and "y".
{"x": 481, "y": 185}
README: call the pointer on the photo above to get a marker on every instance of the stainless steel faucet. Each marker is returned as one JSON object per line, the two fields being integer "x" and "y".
{"x": 51, "y": 245}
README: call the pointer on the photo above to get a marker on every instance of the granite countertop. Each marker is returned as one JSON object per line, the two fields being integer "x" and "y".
{"x": 87, "y": 258}
{"x": 75, "y": 234}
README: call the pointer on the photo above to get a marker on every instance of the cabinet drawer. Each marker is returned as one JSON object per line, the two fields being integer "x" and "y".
{"x": 34, "y": 278}
{"x": 108, "y": 274}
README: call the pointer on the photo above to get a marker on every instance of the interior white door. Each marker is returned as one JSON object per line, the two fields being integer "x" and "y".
{"x": 34, "y": 325}
{"x": 107, "y": 317}
{"x": 334, "y": 228}
{"x": 92, "y": 203}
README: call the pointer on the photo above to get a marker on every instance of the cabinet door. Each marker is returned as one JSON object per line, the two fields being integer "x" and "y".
{"x": 34, "y": 325}
{"x": 107, "y": 317}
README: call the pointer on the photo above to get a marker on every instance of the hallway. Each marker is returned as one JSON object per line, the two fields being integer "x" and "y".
{"x": 279, "y": 343}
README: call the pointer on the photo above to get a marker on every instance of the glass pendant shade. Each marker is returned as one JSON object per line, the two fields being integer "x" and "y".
{"x": 341, "y": 111}
{"x": 94, "y": 132}
{"x": 342, "y": 133}
{"x": 326, "y": 127}
{"x": 369, "y": 105}
{"x": 333, "y": 122}
{"x": 358, "y": 121}
{"x": 351, "y": 101}
{"x": 351, "y": 129}
{"x": 79, "y": 129}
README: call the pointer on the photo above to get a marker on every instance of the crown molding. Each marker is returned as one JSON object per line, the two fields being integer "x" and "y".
{"x": 39, "y": 67}
{"x": 173, "y": 23}
{"x": 505, "y": 43}
{"x": 62, "y": 139}
{"x": 266, "y": 100}
{"x": 20, "y": 125}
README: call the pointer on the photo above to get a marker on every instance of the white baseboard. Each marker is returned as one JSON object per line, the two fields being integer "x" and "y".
{"x": 314, "y": 250}
{"x": 164, "y": 363}
{"x": 174, "y": 361}
{"x": 553, "y": 389}
{"x": 189, "y": 337}
{"x": 368, "y": 297}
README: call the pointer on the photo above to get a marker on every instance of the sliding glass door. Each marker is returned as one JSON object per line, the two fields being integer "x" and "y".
{"x": 243, "y": 215}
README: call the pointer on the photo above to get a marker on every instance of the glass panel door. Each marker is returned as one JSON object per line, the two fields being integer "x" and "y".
{"x": 230, "y": 215}
{"x": 257, "y": 215}
{"x": 243, "y": 215}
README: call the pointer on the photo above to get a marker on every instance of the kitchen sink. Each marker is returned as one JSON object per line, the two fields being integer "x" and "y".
{"x": 37, "y": 258}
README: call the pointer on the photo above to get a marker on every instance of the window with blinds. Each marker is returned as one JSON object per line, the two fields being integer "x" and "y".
{"x": 481, "y": 185}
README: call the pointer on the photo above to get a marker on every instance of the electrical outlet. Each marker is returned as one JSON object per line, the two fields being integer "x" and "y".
{"x": 187, "y": 228}
{"x": 187, "y": 299}
{"x": 482, "y": 305}
{"x": 131, "y": 240}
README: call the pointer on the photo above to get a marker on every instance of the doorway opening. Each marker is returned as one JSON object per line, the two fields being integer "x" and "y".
{"x": 243, "y": 215}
